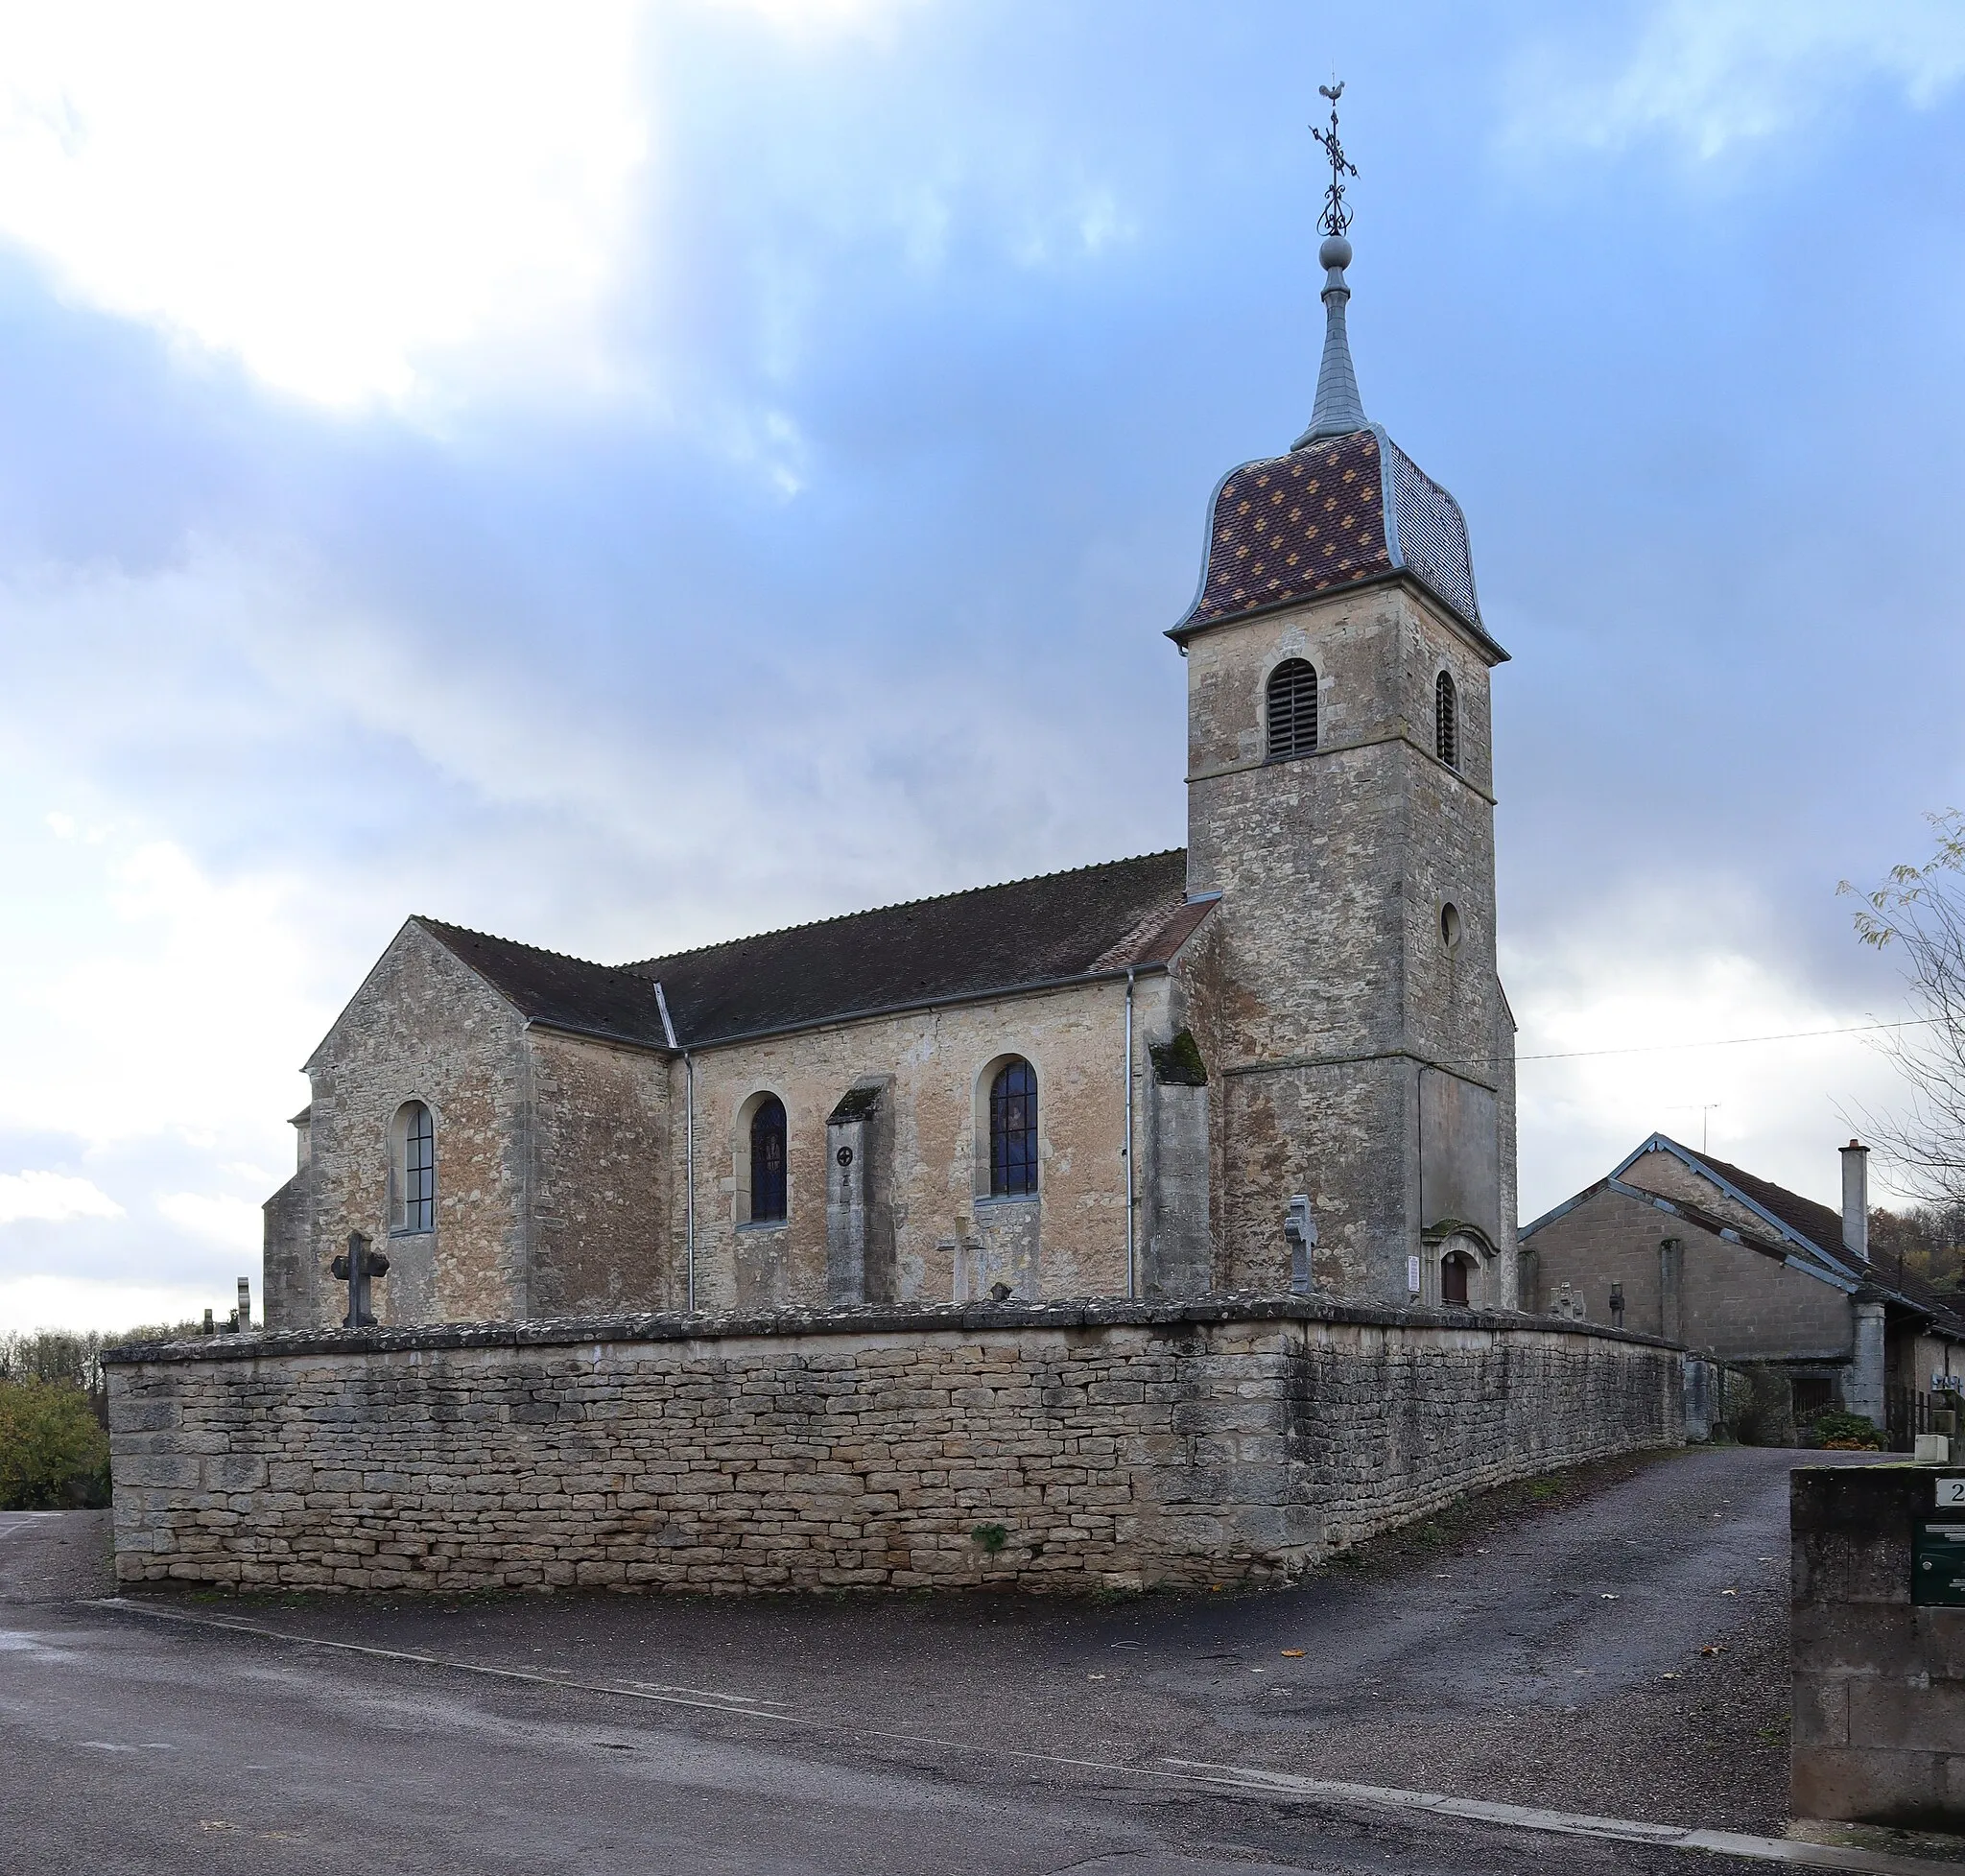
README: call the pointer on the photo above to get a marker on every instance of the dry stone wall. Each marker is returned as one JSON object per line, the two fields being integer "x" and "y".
{"x": 1068, "y": 1447}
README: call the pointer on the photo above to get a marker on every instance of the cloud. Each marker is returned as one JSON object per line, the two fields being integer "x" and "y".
{"x": 352, "y": 201}
{"x": 233, "y": 1222}
{"x": 1631, "y": 1014}
{"x": 52, "y": 1197}
{"x": 41, "y": 1301}
{"x": 1708, "y": 76}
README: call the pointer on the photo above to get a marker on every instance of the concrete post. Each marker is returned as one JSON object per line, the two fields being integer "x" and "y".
{"x": 1863, "y": 1392}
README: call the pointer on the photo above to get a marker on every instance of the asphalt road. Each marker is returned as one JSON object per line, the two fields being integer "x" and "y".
{"x": 1547, "y": 1650}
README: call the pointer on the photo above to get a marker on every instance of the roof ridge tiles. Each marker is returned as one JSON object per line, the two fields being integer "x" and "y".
{"x": 896, "y": 905}
{"x": 517, "y": 944}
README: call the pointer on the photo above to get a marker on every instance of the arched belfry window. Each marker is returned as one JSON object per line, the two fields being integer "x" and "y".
{"x": 1013, "y": 1131}
{"x": 1453, "y": 1269}
{"x": 415, "y": 1171}
{"x": 767, "y": 1161}
{"x": 1446, "y": 721}
{"x": 1293, "y": 709}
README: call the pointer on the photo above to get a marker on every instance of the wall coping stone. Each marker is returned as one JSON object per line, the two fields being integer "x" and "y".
{"x": 857, "y": 1320}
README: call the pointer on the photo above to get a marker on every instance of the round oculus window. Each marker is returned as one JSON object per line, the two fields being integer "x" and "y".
{"x": 1450, "y": 926}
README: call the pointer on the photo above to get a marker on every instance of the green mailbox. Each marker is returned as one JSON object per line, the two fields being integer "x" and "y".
{"x": 1937, "y": 1563}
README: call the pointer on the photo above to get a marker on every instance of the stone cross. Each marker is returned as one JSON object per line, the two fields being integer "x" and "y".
{"x": 355, "y": 1268}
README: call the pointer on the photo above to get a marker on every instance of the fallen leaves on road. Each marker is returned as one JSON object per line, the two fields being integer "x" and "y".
{"x": 1714, "y": 1648}
{"x": 1729, "y": 1592}
{"x": 1292, "y": 1654}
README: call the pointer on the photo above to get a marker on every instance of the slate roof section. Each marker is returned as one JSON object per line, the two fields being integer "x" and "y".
{"x": 547, "y": 986}
{"x": 992, "y": 940}
{"x": 1819, "y": 1223}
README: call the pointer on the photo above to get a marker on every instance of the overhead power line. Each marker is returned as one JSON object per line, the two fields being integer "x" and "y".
{"x": 1730, "y": 1041}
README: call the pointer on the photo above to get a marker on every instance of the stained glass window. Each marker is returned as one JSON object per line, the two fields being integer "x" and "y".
{"x": 767, "y": 1161}
{"x": 1013, "y": 1131}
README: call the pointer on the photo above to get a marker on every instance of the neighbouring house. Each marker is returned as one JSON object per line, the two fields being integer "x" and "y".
{"x": 1678, "y": 1244}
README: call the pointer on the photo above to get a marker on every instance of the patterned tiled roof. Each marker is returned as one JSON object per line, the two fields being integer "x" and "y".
{"x": 1295, "y": 525}
{"x": 1333, "y": 511}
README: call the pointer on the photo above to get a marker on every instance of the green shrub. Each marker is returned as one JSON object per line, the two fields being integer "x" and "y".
{"x": 53, "y": 1449}
{"x": 1850, "y": 1432}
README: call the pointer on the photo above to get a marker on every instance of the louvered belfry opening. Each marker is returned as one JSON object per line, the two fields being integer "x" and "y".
{"x": 1293, "y": 709}
{"x": 1446, "y": 719}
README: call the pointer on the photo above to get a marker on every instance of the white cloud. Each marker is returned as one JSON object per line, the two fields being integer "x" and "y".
{"x": 52, "y": 1197}
{"x": 1710, "y": 75}
{"x": 338, "y": 195}
{"x": 60, "y": 1302}
{"x": 142, "y": 997}
{"x": 1653, "y": 993}
{"x": 232, "y": 1222}
{"x": 818, "y": 18}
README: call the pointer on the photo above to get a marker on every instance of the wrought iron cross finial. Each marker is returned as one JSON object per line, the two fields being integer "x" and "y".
{"x": 1336, "y": 214}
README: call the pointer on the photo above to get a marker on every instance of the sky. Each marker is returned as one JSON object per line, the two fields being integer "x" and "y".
{"x": 624, "y": 476}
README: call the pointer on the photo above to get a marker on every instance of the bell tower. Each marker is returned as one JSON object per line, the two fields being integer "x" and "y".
{"x": 1340, "y": 802}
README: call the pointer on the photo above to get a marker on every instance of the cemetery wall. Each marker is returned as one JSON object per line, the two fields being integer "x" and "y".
{"x": 1072, "y": 1446}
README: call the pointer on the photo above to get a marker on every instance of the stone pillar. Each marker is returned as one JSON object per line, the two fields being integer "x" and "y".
{"x": 859, "y": 1213}
{"x": 1862, "y": 1392}
{"x": 1672, "y": 1289}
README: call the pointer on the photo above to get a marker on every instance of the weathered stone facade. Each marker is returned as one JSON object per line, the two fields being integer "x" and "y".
{"x": 1365, "y": 1059}
{"x": 1301, "y": 1004}
{"x": 1073, "y": 1447}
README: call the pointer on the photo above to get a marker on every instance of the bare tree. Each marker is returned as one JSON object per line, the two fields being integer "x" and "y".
{"x": 1921, "y": 912}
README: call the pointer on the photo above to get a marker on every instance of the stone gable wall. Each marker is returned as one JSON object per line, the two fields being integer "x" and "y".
{"x": 1736, "y": 1304}
{"x": 1115, "y": 1445}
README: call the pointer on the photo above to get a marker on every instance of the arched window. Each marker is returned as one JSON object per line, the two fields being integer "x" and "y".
{"x": 1013, "y": 1131}
{"x": 1293, "y": 709}
{"x": 1446, "y": 721}
{"x": 767, "y": 1161}
{"x": 414, "y": 1169}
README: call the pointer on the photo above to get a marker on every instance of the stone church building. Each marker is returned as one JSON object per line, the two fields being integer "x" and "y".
{"x": 1105, "y": 1083}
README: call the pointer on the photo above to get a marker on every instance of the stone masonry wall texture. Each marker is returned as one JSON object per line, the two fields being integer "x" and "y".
{"x": 1117, "y": 1445}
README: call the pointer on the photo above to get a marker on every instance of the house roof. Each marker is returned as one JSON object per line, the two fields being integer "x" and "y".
{"x": 1804, "y": 1225}
{"x": 1092, "y": 923}
{"x": 1820, "y": 1224}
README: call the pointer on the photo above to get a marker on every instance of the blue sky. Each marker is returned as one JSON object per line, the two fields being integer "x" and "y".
{"x": 627, "y": 479}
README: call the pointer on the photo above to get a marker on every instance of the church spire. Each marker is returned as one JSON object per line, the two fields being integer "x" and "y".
{"x": 1338, "y": 411}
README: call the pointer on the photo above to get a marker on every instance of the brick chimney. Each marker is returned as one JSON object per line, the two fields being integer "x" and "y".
{"x": 1856, "y": 1201}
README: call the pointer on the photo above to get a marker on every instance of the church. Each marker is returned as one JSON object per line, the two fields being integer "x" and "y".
{"x": 1277, "y": 1057}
